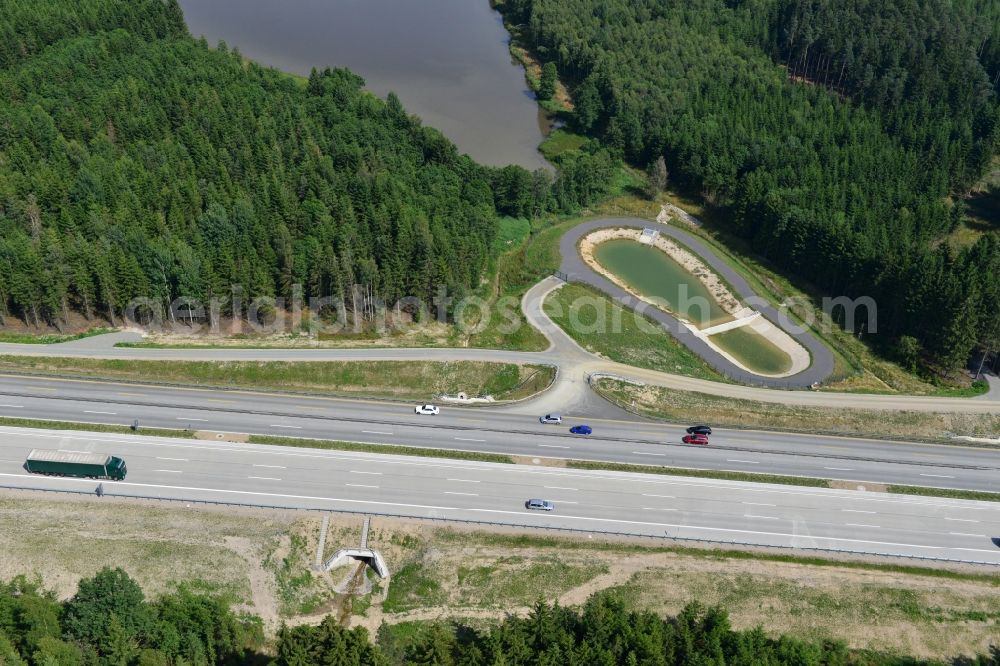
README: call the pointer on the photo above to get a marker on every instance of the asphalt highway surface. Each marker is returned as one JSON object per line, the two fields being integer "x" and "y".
{"x": 677, "y": 507}
{"x": 497, "y": 430}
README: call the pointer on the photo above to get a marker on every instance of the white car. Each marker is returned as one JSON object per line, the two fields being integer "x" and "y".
{"x": 550, "y": 418}
{"x": 432, "y": 410}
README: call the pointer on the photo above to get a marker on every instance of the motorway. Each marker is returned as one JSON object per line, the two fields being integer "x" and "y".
{"x": 677, "y": 507}
{"x": 512, "y": 430}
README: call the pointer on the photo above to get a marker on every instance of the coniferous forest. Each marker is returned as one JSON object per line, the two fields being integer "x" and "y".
{"x": 836, "y": 136}
{"x": 136, "y": 161}
{"x": 110, "y": 622}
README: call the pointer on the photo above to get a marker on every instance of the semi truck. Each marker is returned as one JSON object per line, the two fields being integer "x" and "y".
{"x": 75, "y": 463}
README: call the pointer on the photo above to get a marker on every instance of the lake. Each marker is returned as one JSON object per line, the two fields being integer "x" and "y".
{"x": 447, "y": 60}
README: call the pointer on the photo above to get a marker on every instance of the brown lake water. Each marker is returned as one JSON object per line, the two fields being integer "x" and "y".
{"x": 447, "y": 60}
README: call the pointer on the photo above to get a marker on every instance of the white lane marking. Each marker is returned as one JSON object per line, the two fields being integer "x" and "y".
{"x": 376, "y": 432}
{"x": 759, "y": 504}
{"x": 345, "y": 500}
{"x": 359, "y": 485}
{"x": 737, "y": 531}
{"x": 644, "y": 453}
{"x": 13, "y": 406}
{"x": 559, "y": 488}
{"x": 939, "y": 476}
{"x": 856, "y": 511}
{"x": 963, "y": 520}
{"x": 664, "y": 496}
{"x": 750, "y": 515}
{"x": 467, "y": 439}
{"x": 264, "y": 478}
{"x": 278, "y": 425}
{"x": 450, "y": 492}
{"x": 900, "y": 500}
{"x": 464, "y": 480}
{"x": 841, "y": 469}
{"x": 656, "y": 508}
{"x": 94, "y": 411}
{"x": 358, "y": 471}
{"x": 562, "y": 501}
{"x": 272, "y": 466}
{"x": 861, "y": 525}
{"x": 73, "y": 451}
{"x": 177, "y": 459}
{"x": 181, "y": 418}
{"x": 553, "y": 446}
{"x": 169, "y": 471}
{"x": 982, "y": 536}
{"x": 746, "y": 462}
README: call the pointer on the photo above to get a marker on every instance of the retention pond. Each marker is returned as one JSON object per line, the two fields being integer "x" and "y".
{"x": 653, "y": 274}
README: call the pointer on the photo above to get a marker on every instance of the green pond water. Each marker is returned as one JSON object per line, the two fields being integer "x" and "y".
{"x": 652, "y": 273}
{"x": 754, "y": 351}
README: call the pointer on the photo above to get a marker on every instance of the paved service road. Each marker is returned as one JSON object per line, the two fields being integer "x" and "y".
{"x": 512, "y": 432}
{"x": 597, "y": 501}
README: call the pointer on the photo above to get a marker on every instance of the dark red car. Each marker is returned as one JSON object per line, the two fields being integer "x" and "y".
{"x": 695, "y": 439}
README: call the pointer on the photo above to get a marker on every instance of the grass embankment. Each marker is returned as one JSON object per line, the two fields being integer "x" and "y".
{"x": 603, "y": 327}
{"x": 11, "y": 422}
{"x": 48, "y": 338}
{"x": 405, "y": 380}
{"x": 261, "y": 559}
{"x": 689, "y": 406}
{"x": 387, "y": 449}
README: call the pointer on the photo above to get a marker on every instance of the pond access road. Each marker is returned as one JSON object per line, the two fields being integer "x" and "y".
{"x": 576, "y": 270}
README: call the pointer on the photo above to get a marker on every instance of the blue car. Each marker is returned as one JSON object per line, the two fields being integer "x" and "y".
{"x": 581, "y": 430}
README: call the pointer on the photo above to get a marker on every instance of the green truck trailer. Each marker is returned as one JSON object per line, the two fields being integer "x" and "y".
{"x": 75, "y": 463}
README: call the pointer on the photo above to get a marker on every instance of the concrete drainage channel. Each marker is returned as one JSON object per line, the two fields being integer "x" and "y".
{"x": 343, "y": 556}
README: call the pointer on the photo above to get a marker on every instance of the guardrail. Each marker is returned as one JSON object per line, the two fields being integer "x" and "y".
{"x": 665, "y": 538}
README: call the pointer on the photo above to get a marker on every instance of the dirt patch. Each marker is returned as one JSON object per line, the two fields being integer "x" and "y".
{"x": 865, "y": 486}
{"x": 538, "y": 462}
{"x": 222, "y": 436}
{"x": 68, "y": 538}
{"x": 240, "y": 335}
{"x": 263, "y": 599}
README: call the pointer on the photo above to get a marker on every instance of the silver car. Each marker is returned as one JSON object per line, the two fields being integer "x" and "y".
{"x": 539, "y": 505}
{"x": 550, "y": 418}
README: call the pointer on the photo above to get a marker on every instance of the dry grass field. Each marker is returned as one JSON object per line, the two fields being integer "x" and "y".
{"x": 262, "y": 561}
